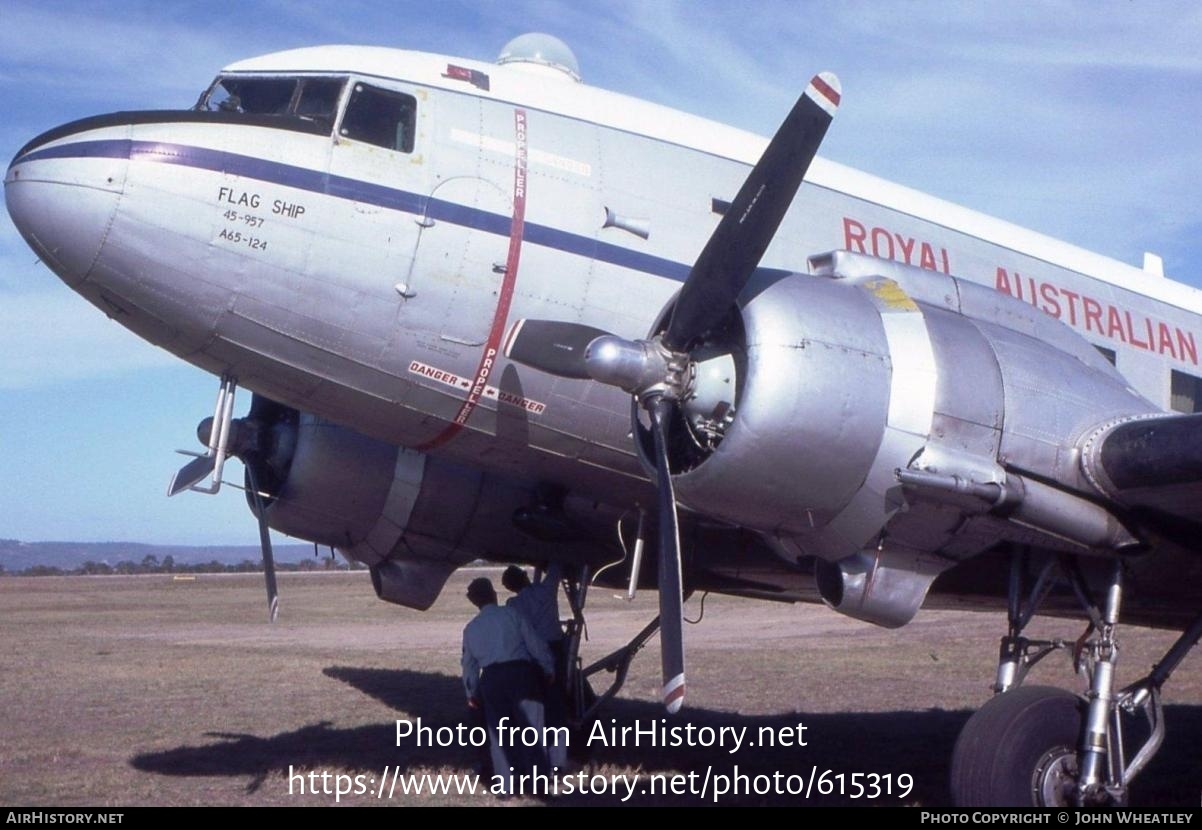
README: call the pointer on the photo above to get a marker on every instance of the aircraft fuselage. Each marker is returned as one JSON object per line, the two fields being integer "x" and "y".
{"x": 367, "y": 272}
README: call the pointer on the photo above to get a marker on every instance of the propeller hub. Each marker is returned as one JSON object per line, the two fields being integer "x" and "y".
{"x": 243, "y": 436}
{"x": 640, "y": 367}
{"x": 203, "y": 430}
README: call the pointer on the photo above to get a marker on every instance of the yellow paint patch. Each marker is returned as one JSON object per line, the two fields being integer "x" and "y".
{"x": 891, "y": 295}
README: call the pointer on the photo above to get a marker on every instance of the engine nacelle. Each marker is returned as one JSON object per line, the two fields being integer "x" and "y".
{"x": 866, "y": 369}
{"x": 336, "y": 486}
{"x": 836, "y": 392}
{"x": 411, "y": 518}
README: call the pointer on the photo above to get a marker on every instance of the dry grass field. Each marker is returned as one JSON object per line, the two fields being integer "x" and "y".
{"x": 145, "y": 691}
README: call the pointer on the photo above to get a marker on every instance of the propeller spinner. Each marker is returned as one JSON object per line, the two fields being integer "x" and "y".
{"x": 653, "y": 369}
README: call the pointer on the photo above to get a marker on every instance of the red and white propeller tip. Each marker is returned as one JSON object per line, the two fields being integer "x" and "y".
{"x": 825, "y": 91}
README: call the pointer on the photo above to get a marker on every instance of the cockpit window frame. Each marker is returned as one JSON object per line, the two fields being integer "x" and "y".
{"x": 335, "y": 126}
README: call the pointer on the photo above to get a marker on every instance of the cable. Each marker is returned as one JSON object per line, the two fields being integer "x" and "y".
{"x": 621, "y": 543}
{"x": 700, "y": 616}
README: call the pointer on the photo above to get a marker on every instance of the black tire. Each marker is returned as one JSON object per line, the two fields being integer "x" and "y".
{"x": 1019, "y": 750}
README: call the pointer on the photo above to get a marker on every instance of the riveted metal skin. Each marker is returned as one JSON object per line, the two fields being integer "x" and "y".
{"x": 410, "y": 517}
{"x": 850, "y": 378}
{"x": 818, "y": 364}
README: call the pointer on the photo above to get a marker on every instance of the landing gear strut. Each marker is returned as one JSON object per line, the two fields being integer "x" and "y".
{"x": 1037, "y": 746}
{"x": 584, "y": 701}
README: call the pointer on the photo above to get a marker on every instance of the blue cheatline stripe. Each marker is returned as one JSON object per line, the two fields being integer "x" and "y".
{"x": 111, "y": 149}
{"x": 342, "y": 187}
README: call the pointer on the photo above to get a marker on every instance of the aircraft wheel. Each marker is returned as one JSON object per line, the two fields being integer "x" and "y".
{"x": 1019, "y": 750}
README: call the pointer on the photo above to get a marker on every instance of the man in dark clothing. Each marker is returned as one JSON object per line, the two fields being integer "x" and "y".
{"x": 538, "y": 602}
{"x": 505, "y": 665}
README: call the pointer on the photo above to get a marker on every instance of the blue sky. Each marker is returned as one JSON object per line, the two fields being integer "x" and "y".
{"x": 1081, "y": 120}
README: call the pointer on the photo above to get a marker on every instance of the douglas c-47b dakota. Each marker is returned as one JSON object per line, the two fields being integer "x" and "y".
{"x": 488, "y": 311}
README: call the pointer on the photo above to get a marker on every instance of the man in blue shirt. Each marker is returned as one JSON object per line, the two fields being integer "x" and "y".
{"x": 504, "y": 666}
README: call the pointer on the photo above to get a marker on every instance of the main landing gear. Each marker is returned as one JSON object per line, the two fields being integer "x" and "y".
{"x": 583, "y": 701}
{"x": 1038, "y": 746}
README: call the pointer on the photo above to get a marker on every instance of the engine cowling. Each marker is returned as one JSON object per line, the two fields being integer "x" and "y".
{"x": 865, "y": 368}
{"x": 812, "y": 410}
{"x": 411, "y": 518}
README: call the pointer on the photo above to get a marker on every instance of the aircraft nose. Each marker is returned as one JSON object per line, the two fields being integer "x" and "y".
{"x": 62, "y": 196}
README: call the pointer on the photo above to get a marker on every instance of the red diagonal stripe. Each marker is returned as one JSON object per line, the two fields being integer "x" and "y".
{"x": 490, "y": 354}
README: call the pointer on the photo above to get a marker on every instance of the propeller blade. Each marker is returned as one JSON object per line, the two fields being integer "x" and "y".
{"x": 553, "y": 346}
{"x": 191, "y": 474}
{"x": 671, "y": 603}
{"x": 273, "y": 591}
{"x": 741, "y": 238}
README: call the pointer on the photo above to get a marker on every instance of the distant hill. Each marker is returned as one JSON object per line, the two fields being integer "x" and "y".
{"x": 19, "y": 556}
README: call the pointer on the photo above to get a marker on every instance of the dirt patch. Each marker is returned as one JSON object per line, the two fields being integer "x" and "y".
{"x": 141, "y": 690}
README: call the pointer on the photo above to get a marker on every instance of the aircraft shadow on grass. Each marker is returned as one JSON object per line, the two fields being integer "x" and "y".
{"x": 915, "y": 742}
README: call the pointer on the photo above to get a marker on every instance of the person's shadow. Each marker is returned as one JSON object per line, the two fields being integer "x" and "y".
{"x": 892, "y": 745}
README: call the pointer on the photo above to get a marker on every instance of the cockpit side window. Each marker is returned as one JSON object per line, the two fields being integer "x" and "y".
{"x": 381, "y": 117}
{"x": 319, "y": 97}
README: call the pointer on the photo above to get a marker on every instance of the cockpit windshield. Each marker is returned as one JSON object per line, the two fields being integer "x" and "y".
{"x": 312, "y": 98}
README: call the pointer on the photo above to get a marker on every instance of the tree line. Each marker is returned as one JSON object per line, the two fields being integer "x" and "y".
{"x": 151, "y": 564}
